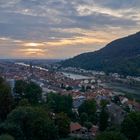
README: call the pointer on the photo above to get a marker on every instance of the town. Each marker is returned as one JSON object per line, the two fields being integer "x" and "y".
{"x": 82, "y": 86}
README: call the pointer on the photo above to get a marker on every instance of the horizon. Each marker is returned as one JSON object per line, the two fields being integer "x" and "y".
{"x": 63, "y": 29}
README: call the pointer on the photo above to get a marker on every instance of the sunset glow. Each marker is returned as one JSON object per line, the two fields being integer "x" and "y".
{"x": 63, "y": 28}
{"x": 32, "y": 44}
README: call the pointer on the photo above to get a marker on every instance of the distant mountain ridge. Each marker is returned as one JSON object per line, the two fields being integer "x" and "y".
{"x": 121, "y": 56}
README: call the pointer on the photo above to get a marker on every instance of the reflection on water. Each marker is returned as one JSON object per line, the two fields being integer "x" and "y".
{"x": 27, "y": 65}
{"x": 75, "y": 76}
{"x": 119, "y": 88}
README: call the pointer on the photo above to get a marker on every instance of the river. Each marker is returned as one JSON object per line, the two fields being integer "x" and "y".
{"x": 120, "y": 88}
{"x": 27, "y": 65}
{"x": 76, "y": 76}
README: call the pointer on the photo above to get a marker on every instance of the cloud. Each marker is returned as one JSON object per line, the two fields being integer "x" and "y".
{"x": 71, "y": 27}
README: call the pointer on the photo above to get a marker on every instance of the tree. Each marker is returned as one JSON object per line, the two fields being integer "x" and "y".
{"x": 138, "y": 138}
{"x": 6, "y": 100}
{"x": 88, "y": 107}
{"x": 74, "y": 116}
{"x": 32, "y": 123}
{"x": 83, "y": 89}
{"x": 83, "y": 118}
{"x": 69, "y": 88}
{"x": 30, "y": 91}
{"x": 88, "y": 125}
{"x": 12, "y": 129}
{"x": 33, "y": 93}
{"x": 60, "y": 103}
{"x": 20, "y": 87}
{"x": 103, "y": 120}
{"x": 1, "y": 80}
{"x": 110, "y": 136}
{"x": 6, "y": 137}
{"x": 103, "y": 103}
{"x": 63, "y": 124}
{"x": 131, "y": 126}
{"x": 116, "y": 100}
{"x": 24, "y": 102}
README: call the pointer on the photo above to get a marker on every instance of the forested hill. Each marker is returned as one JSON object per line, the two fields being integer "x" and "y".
{"x": 121, "y": 56}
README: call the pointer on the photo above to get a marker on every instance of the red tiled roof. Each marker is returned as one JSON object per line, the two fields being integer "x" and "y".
{"x": 75, "y": 126}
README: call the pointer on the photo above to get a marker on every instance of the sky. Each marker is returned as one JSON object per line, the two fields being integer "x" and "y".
{"x": 59, "y": 29}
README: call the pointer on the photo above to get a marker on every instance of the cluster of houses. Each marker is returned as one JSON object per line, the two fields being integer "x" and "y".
{"x": 76, "y": 130}
{"x": 79, "y": 89}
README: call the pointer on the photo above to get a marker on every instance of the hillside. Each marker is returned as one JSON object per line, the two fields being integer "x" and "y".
{"x": 121, "y": 56}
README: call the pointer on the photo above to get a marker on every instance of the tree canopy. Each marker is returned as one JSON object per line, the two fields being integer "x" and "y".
{"x": 131, "y": 125}
{"x": 6, "y": 137}
{"x": 60, "y": 103}
{"x": 30, "y": 123}
{"x": 28, "y": 90}
{"x": 63, "y": 124}
{"x": 110, "y": 136}
{"x": 103, "y": 119}
{"x": 88, "y": 107}
{"x": 6, "y": 99}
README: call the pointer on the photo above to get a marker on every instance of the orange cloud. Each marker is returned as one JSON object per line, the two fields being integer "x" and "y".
{"x": 76, "y": 41}
{"x": 32, "y": 52}
{"x": 33, "y": 44}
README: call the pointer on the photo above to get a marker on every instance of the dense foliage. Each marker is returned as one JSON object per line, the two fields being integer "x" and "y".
{"x": 28, "y": 90}
{"x": 24, "y": 116}
{"x": 131, "y": 126}
{"x": 103, "y": 119}
{"x": 6, "y": 137}
{"x": 6, "y": 99}
{"x": 121, "y": 56}
{"x": 89, "y": 109}
{"x": 58, "y": 103}
{"x": 29, "y": 123}
{"x": 111, "y": 136}
{"x": 63, "y": 124}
